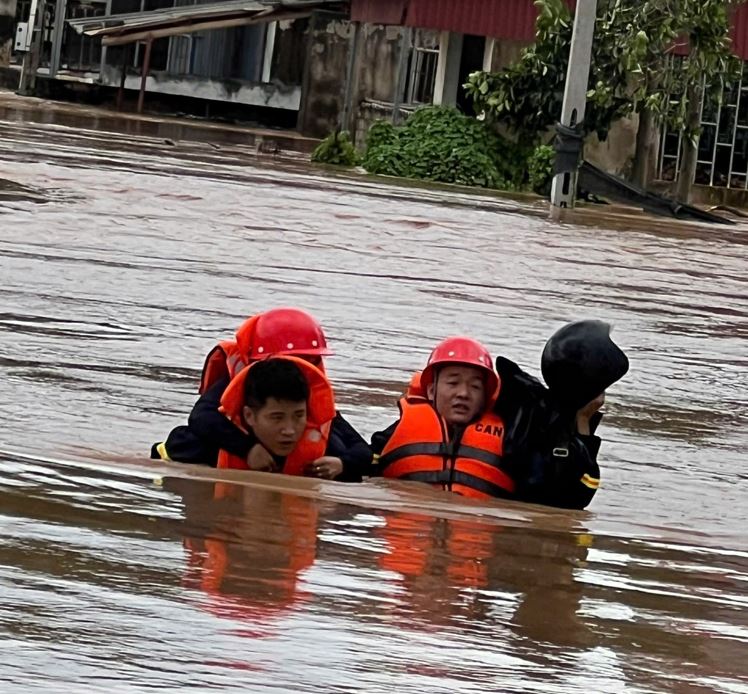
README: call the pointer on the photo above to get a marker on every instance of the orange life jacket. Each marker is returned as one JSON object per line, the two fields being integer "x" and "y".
{"x": 228, "y": 357}
{"x": 320, "y": 413}
{"x": 471, "y": 466}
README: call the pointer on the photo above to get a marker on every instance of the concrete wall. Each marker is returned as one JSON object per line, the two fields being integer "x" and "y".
{"x": 228, "y": 91}
{"x": 616, "y": 154}
{"x": 324, "y": 75}
{"x": 289, "y": 54}
{"x": 374, "y": 89}
{"x": 505, "y": 53}
{"x": 376, "y": 69}
{"x": 7, "y": 30}
{"x": 710, "y": 195}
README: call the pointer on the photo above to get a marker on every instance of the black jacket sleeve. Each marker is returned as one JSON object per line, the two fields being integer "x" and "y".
{"x": 378, "y": 441}
{"x": 550, "y": 461}
{"x": 213, "y": 427}
{"x": 348, "y": 445}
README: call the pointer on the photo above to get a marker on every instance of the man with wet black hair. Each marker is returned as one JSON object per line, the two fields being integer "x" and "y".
{"x": 275, "y": 408}
{"x": 279, "y": 331}
{"x": 550, "y": 431}
{"x": 287, "y": 405}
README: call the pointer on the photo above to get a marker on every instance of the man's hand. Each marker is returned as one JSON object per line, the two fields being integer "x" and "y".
{"x": 587, "y": 412}
{"x": 260, "y": 460}
{"x": 327, "y": 468}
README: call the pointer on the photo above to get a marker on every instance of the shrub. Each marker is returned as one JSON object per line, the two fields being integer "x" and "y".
{"x": 336, "y": 149}
{"x": 540, "y": 169}
{"x": 441, "y": 144}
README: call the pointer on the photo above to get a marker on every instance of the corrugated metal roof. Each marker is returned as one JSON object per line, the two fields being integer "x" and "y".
{"x": 504, "y": 19}
{"x": 740, "y": 32}
{"x": 379, "y": 11}
{"x": 124, "y": 28}
{"x": 96, "y": 25}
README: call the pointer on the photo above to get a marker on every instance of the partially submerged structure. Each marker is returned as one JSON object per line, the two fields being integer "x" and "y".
{"x": 316, "y": 65}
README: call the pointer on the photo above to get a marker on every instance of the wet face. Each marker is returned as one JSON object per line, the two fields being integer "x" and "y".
{"x": 458, "y": 393}
{"x": 278, "y": 424}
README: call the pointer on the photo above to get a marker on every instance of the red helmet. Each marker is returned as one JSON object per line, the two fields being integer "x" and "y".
{"x": 287, "y": 331}
{"x": 465, "y": 351}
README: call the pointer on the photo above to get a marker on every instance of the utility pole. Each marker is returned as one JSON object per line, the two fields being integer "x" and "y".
{"x": 61, "y": 7}
{"x": 406, "y": 42}
{"x": 346, "y": 118}
{"x": 27, "y": 82}
{"x": 564, "y": 188}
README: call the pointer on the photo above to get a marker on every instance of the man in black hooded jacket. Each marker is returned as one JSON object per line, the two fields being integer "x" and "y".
{"x": 550, "y": 438}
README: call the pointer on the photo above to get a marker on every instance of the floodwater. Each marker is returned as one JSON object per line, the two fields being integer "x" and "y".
{"x": 124, "y": 256}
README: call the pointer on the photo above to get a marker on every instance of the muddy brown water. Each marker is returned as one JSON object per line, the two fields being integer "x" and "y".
{"x": 123, "y": 257}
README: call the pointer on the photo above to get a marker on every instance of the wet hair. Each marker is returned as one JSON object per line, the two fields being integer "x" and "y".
{"x": 275, "y": 378}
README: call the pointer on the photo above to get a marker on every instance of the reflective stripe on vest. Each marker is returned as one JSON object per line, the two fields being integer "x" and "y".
{"x": 417, "y": 451}
{"x": 441, "y": 450}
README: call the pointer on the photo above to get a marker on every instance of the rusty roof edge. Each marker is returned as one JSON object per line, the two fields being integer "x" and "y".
{"x": 115, "y": 23}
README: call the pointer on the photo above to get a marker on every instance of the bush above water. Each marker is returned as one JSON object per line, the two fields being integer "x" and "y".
{"x": 337, "y": 149}
{"x": 540, "y": 169}
{"x": 442, "y": 144}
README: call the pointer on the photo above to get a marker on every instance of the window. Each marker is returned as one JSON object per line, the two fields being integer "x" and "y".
{"x": 723, "y": 144}
{"x": 80, "y": 52}
{"x": 424, "y": 57}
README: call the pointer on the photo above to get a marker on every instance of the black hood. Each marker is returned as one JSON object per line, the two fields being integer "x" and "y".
{"x": 580, "y": 361}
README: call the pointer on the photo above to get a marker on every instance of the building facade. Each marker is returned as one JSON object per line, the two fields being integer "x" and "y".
{"x": 355, "y": 62}
{"x": 259, "y": 69}
{"x": 442, "y": 42}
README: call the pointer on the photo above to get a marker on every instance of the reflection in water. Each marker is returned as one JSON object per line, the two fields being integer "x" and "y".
{"x": 124, "y": 259}
{"x": 247, "y": 551}
{"x": 230, "y": 585}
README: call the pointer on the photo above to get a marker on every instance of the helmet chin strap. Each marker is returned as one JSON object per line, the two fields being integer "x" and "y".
{"x": 436, "y": 383}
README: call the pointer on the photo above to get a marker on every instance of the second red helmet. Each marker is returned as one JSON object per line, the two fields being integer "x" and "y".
{"x": 287, "y": 331}
{"x": 464, "y": 351}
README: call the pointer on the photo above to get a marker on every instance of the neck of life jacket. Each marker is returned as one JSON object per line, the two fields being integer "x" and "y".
{"x": 229, "y": 357}
{"x": 320, "y": 413}
{"x": 467, "y": 462}
{"x": 225, "y": 360}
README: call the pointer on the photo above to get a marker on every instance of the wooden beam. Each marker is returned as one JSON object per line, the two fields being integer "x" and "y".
{"x": 121, "y": 91}
{"x": 144, "y": 74}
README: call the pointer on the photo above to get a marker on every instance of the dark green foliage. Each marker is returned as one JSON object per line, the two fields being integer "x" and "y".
{"x": 442, "y": 144}
{"x": 540, "y": 169}
{"x": 632, "y": 66}
{"x": 381, "y": 133}
{"x": 337, "y": 149}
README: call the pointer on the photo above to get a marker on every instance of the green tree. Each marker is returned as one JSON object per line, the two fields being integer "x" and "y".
{"x": 633, "y": 70}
